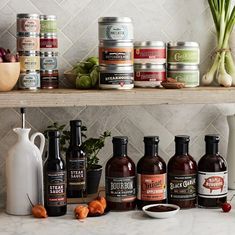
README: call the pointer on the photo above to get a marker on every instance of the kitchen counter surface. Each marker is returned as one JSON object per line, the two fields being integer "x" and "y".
{"x": 186, "y": 222}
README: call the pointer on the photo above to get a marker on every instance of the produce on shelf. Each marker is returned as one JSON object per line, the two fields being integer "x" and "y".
{"x": 223, "y": 69}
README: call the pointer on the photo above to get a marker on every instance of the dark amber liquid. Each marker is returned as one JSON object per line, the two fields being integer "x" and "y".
{"x": 120, "y": 167}
{"x": 150, "y": 165}
{"x": 211, "y": 163}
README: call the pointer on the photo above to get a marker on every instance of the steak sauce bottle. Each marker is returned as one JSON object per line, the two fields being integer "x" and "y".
{"x": 55, "y": 178}
{"x": 120, "y": 179}
{"x": 212, "y": 175}
{"x": 182, "y": 175}
{"x": 151, "y": 175}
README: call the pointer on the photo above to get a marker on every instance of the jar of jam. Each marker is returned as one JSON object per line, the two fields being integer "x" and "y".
{"x": 151, "y": 175}
{"x": 182, "y": 175}
{"x": 212, "y": 175}
{"x": 120, "y": 179}
{"x": 49, "y": 79}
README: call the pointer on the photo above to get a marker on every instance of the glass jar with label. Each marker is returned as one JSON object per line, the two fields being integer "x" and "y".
{"x": 29, "y": 80}
{"x": 48, "y": 24}
{"x": 48, "y": 42}
{"x": 28, "y": 42}
{"x": 212, "y": 175}
{"x": 182, "y": 175}
{"x": 120, "y": 179}
{"x": 29, "y": 60}
{"x": 49, "y": 79}
{"x": 151, "y": 175}
{"x": 28, "y": 23}
{"x": 49, "y": 60}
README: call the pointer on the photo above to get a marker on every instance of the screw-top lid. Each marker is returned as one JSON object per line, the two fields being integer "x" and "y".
{"x": 151, "y": 139}
{"x": 53, "y": 134}
{"x": 182, "y": 138}
{"x": 120, "y": 140}
{"x": 212, "y": 138}
{"x": 75, "y": 123}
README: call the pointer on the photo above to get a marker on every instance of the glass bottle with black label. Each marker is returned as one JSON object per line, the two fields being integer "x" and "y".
{"x": 120, "y": 179}
{"x": 151, "y": 175}
{"x": 182, "y": 175}
{"x": 76, "y": 163}
{"x": 212, "y": 175}
{"x": 55, "y": 178}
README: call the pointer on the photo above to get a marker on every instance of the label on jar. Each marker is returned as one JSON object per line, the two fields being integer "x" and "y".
{"x": 48, "y": 43}
{"x": 182, "y": 187}
{"x": 151, "y": 187}
{"x": 48, "y": 26}
{"x": 116, "y": 78}
{"x": 56, "y": 188}
{"x": 76, "y": 171}
{"x": 29, "y": 63}
{"x": 27, "y": 43}
{"x": 48, "y": 63}
{"x": 29, "y": 80}
{"x": 186, "y": 56}
{"x": 158, "y": 53}
{"x": 28, "y": 25}
{"x": 212, "y": 184}
{"x": 150, "y": 76}
{"x": 121, "y": 189}
{"x": 49, "y": 81}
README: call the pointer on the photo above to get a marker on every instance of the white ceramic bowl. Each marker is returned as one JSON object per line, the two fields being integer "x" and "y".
{"x": 161, "y": 215}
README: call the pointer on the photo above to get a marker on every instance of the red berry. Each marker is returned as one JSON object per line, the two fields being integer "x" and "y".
{"x": 226, "y": 207}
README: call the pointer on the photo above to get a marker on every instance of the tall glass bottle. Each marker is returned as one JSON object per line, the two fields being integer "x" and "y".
{"x": 182, "y": 175}
{"x": 212, "y": 175}
{"x": 55, "y": 178}
{"x": 120, "y": 179}
{"x": 76, "y": 163}
{"x": 151, "y": 175}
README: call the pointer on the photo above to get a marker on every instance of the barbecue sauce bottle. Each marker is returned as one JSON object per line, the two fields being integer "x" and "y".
{"x": 120, "y": 179}
{"x": 151, "y": 175}
{"x": 182, "y": 175}
{"x": 55, "y": 178}
{"x": 212, "y": 175}
{"x": 76, "y": 162}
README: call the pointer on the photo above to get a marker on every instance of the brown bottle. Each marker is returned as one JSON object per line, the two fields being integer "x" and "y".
{"x": 151, "y": 175}
{"x": 120, "y": 179}
{"x": 212, "y": 175}
{"x": 182, "y": 175}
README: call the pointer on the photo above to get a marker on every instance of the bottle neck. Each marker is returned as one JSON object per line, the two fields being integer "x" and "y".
{"x": 75, "y": 136}
{"x": 181, "y": 148}
{"x": 151, "y": 150}
{"x": 212, "y": 148}
{"x": 120, "y": 150}
{"x": 54, "y": 148}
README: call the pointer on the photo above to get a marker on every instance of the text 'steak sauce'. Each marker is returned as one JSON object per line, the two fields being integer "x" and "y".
{"x": 182, "y": 175}
{"x": 120, "y": 179}
{"x": 151, "y": 175}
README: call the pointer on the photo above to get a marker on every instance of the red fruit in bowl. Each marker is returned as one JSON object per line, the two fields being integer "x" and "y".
{"x": 226, "y": 207}
{"x": 2, "y": 52}
{"x": 9, "y": 58}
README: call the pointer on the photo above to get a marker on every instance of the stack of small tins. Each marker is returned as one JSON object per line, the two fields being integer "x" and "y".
{"x": 116, "y": 53}
{"x": 28, "y": 28}
{"x": 150, "y": 63}
{"x": 49, "y": 52}
{"x": 183, "y": 59}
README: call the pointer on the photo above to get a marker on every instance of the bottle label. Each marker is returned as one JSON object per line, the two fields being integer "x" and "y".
{"x": 121, "y": 189}
{"x": 151, "y": 187}
{"x": 182, "y": 187}
{"x": 212, "y": 184}
{"x": 77, "y": 172}
{"x": 56, "y": 188}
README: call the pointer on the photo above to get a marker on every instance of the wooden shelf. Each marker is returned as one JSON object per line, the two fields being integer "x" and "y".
{"x": 72, "y": 97}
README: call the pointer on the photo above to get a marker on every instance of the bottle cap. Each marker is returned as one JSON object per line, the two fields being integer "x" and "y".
{"x": 53, "y": 134}
{"x": 182, "y": 138}
{"x": 212, "y": 138}
{"x": 120, "y": 140}
{"x": 75, "y": 123}
{"x": 151, "y": 139}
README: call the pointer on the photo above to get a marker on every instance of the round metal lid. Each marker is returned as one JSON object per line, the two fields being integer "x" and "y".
{"x": 182, "y": 67}
{"x": 48, "y": 35}
{"x": 149, "y": 44}
{"x": 149, "y": 66}
{"x": 115, "y": 68}
{"x": 26, "y": 15}
{"x": 115, "y": 20}
{"x": 47, "y": 17}
{"x": 182, "y": 44}
{"x": 115, "y": 43}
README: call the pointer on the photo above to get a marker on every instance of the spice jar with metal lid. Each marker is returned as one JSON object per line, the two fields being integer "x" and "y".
{"x": 150, "y": 52}
{"x": 48, "y": 42}
{"x": 28, "y": 23}
{"x": 28, "y": 42}
{"x": 49, "y": 79}
{"x": 149, "y": 75}
{"x": 114, "y": 52}
{"x": 115, "y": 28}
{"x": 48, "y": 60}
{"x": 29, "y": 60}
{"x": 183, "y": 53}
{"x": 116, "y": 77}
{"x": 188, "y": 74}
{"x": 29, "y": 79}
{"x": 48, "y": 24}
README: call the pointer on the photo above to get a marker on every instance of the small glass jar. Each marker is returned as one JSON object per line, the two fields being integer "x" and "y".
{"x": 29, "y": 60}
{"x": 48, "y": 42}
{"x": 28, "y": 23}
{"x": 29, "y": 80}
{"x": 49, "y": 60}
{"x": 49, "y": 79}
{"x": 28, "y": 42}
{"x": 48, "y": 24}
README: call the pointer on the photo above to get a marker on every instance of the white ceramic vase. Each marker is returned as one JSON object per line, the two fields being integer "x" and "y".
{"x": 24, "y": 173}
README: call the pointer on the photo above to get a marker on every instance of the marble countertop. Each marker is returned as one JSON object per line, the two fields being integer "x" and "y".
{"x": 186, "y": 222}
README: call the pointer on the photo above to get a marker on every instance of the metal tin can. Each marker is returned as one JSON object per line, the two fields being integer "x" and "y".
{"x": 28, "y": 23}
{"x": 48, "y": 60}
{"x": 48, "y": 24}
{"x": 150, "y": 52}
{"x": 49, "y": 79}
{"x": 29, "y": 60}
{"x": 29, "y": 80}
{"x": 183, "y": 53}
{"x": 149, "y": 75}
{"x": 115, "y": 28}
{"x": 48, "y": 42}
{"x": 188, "y": 74}
{"x": 28, "y": 42}
{"x": 117, "y": 53}
{"x": 116, "y": 77}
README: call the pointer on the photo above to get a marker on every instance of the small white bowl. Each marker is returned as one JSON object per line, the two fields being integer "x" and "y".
{"x": 161, "y": 215}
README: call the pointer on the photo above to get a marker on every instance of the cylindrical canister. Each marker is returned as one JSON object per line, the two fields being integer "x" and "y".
{"x": 29, "y": 60}
{"x": 48, "y": 42}
{"x": 28, "y": 23}
{"x": 49, "y": 60}
{"x": 28, "y": 42}
{"x": 48, "y": 24}
{"x": 29, "y": 80}
{"x": 49, "y": 79}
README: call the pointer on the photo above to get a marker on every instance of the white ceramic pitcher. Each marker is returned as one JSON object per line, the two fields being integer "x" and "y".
{"x": 24, "y": 173}
{"x": 231, "y": 152}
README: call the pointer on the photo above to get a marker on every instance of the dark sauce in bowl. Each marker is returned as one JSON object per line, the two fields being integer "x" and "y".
{"x": 161, "y": 208}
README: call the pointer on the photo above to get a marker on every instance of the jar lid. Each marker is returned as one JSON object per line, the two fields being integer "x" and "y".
{"x": 212, "y": 138}
{"x": 120, "y": 140}
{"x": 182, "y": 138}
{"x": 149, "y": 66}
{"x": 149, "y": 44}
{"x": 115, "y": 20}
{"x": 75, "y": 123}
{"x": 49, "y": 53}
{"x": 47, "y": 17}
{"x": 48, "y": 35}
{"x": 27, "y": 34}
{"x": 182, "y": 44}
{"x": 116, "y": 68}
{"x": 29, "y": 53}
{"x": 179, "y": 67}
{"x": 26, "y": 15}
{"x": 151, "y": 139}
{"x": 116, "y": 43}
